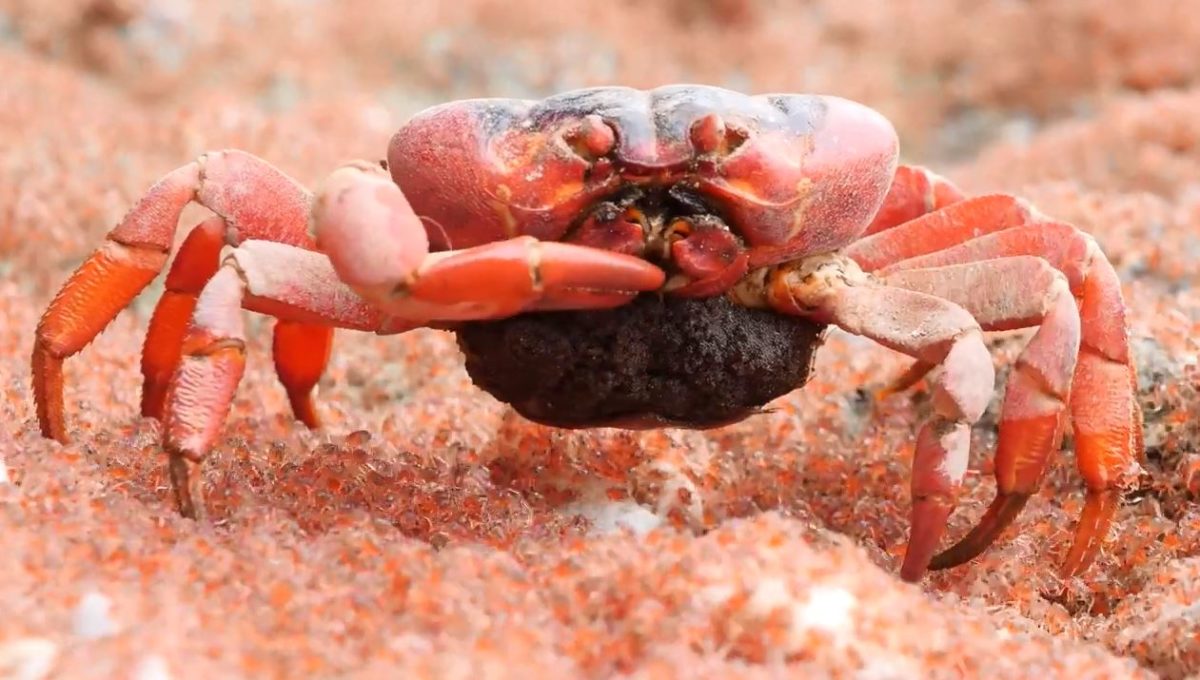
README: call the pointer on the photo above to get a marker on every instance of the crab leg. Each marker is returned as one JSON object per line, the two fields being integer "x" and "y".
{"x": 300, "y": 351}
{"x": 138, "y": 248}
{"x": 932, "y": 232}
{"x": 833, "y": 290}
{"x": 295, "y": 285}
{"x": 915, "y": 191}
{"x": 1107, "y": 418}
{"x": 939, "y": 230}
{"x": 195, "y": 263}
{"x": 1002, "y": 294}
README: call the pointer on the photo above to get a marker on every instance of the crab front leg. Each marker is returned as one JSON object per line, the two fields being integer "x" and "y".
{"x": 377, "y": 275}
{"x": 935, "y": 331}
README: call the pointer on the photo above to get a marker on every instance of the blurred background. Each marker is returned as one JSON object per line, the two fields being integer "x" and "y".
{"x": 952, "y": 74}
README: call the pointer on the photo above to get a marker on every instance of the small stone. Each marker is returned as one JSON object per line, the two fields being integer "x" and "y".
{"x": 607, "y": 516}
{"x": 152, "y": 667}
{"x": 92, "y": 620}
{"x": 27, "y": 658}
{"x": 827, "y": 609}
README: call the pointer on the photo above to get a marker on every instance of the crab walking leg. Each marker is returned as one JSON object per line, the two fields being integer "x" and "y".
{"x": 933, "y": 330}
{"x": 256, "y": 201}
{"x": 295, "y": 285}
{"x": 941, "y": 229}
{"x": 379, "y": 247}
{"x": 198, "y": 398}
{"x": 301, "y": 351}
{"x": 1106, "y": 415}
{"x": 1003, "y": 294}
{"x": 915, "y": 191}
{"x": 933, "y": 231}
{"x": 195, "y": 263}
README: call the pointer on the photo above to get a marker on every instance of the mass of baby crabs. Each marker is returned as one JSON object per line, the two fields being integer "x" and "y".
{"x": 492, "y": 208}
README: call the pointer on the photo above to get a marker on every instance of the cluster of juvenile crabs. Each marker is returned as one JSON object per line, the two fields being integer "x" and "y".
{"x": 663, "y": 208}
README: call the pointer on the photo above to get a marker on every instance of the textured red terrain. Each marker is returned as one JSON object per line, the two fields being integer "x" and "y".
{"x": 428, "y": 531}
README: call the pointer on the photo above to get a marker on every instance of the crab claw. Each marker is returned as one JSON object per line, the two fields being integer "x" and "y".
{"x": 507, "y": 277}
{"x": 378, "y": 246}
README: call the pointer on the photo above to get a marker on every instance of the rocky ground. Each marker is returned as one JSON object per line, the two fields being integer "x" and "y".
{"x": 429, "y": 532}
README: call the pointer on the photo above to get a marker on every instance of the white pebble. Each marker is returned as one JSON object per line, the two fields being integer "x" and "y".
{"x": 607, "y": 516}
{"x": 828, "y": 608}
{"x": 27, "y": 658}
{"x": 152, "y": 667}
{"x": 92, "y": 620}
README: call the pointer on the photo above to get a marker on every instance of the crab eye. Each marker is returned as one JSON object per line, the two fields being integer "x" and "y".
{"x": 710, "y": 134}
{"x": 591, "y": 138}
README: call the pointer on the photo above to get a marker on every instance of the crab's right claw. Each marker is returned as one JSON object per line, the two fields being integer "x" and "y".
{"x": 378, "y": 246}
{"x": 520, "y": 274}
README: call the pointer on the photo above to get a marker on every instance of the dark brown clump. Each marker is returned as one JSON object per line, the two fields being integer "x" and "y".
{"x": 657, "y": 360}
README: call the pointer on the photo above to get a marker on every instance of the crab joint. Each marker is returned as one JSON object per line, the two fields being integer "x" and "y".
{"x": 801, "y": 287}
{"x": 366, "y": 227}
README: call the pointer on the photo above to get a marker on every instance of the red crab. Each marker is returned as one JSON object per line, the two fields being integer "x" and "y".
{"x": 793, "y": 205}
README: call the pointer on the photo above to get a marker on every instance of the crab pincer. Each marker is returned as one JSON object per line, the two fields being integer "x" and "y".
{"x": 378, "y": 247}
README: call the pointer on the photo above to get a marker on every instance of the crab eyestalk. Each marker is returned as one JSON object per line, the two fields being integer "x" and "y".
{"x": 710, "y": 135}
{"x": 591, "y": 138}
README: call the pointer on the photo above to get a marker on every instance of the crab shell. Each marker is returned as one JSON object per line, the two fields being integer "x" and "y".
{"x": 791, "y": 175}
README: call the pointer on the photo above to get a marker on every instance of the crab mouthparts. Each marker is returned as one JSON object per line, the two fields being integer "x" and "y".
{"x": 672, "y": 227}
